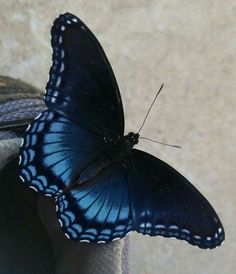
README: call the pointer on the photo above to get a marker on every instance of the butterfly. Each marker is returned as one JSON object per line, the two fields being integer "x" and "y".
{"x": 76, "y": 152}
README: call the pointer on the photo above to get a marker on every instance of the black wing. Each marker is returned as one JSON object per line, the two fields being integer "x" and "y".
{"x": 82, "y": 85}
{"x": 165, "y": 203}
{"x": 144, "y": 194}
{"x": 54, "y": 151}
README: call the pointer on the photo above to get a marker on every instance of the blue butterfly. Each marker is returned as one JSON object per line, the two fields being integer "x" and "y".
{"x": 76, "y": 152}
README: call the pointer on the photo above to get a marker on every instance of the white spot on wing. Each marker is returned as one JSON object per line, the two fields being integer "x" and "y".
{"x": 59, "y": 220}
{"x": 28, "y": 127}
{"x": 62, "y": 67}
{"x": 63, "y": 28}
{"x": 75, "y": 20}
{"x": 20, "y": 159}
{"x": 34, "y": 188}
{"x": 159, "y": 226}
{"x": 208, "y": 238}
{"x": 55, "y": 93}
{"x": 84, "y": 241}
{"x": 58, "y": 82}
{"x": 197, "y": 237}
{"x": 48, "y": 195}
{"x": 173, "y": 227}
{"x": 68, "y": 22}
{"x": 37, "y": 116}
{"x": 185, "y": 231}
{"x": 67, "y": 236}
{"x": 220, "y": 230}
{"x": 22, "y": 142}
{"x": 22, "y": 179}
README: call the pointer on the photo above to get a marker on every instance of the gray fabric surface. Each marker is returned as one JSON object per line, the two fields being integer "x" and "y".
{"x": 7, "y": 134}
{"x": 20, "y": 109}
{"x": 8, "y": 150}
{"x": 14, "y": 89}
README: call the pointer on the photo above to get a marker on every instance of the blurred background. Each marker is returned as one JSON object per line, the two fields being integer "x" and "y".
{"x": 190, "y": 47}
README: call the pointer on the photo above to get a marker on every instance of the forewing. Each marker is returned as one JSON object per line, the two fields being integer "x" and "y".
{"x": 97, "y": 210}
{"x": 54, "y": 151}
{"x": 82, "y": 85}
{"x": 165, "y": 203}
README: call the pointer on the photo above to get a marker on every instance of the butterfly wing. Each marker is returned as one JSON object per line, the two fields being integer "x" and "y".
{"x": 54, "y": 151}
{"x": 97, "y": 210}
{"x": 143, "y": 194}
{"x": 82, "y": 85}
{"x": 165, "y": 203}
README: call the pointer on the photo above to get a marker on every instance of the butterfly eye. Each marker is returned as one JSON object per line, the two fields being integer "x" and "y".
{"x": 133, "y": 137}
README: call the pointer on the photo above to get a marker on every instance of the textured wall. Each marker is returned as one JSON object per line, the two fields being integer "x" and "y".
{"x": 190, "y": 47}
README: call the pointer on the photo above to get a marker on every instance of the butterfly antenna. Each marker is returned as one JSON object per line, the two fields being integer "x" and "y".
{"x": 154, "y": 141}
{"x": 150, "y": 107}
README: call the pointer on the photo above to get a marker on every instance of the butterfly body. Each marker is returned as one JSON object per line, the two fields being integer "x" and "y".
{"x": 121, "y": 146}
{"x": 76, "y": 152}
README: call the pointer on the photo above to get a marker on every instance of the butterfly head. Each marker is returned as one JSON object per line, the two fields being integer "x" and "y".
{"x": 133, "y": 138}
